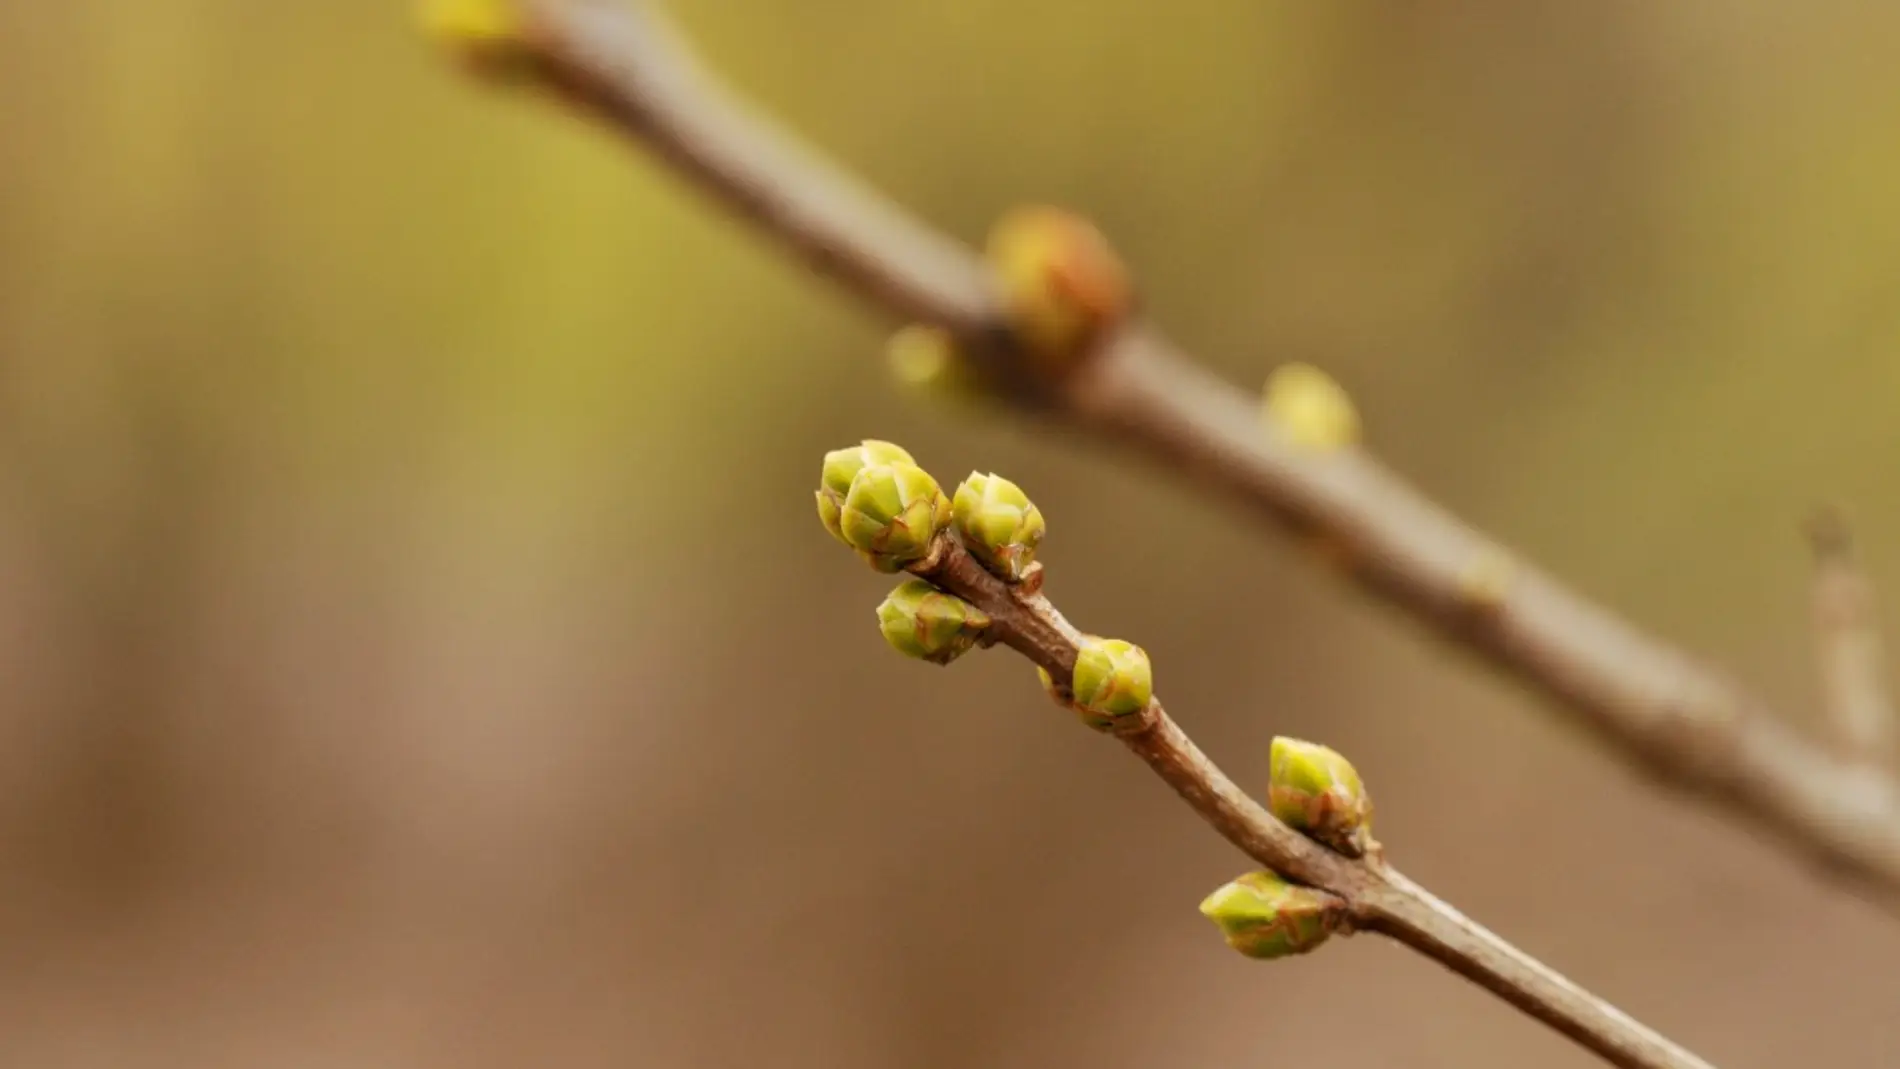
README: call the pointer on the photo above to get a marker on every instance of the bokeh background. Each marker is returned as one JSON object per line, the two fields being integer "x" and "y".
{"x": 418, "y": 649}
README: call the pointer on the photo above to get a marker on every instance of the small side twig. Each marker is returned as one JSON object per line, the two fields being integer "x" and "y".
{"x": 1378, "y": 897}
{"x": 976, "y": 583}
{"x": 620, "y": 63}
{"x": 1859, "y": 708}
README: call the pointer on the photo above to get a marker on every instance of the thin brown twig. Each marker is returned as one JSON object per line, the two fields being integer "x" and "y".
{"x": 1847, "y": 634}
{"x": 1378, "y": 897}
{"x": 1674, "y": 716}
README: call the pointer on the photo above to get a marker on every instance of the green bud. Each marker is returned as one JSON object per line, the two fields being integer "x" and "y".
{"x": 891, "y": 512}
{"x": 841, "y": 465}
{"x": 1113, "y": 681}
{"x": 1263, "y": 916}
{"x": 999, "y": 525}
{"x": 1062, "y": 283}
{"x": 920, "y": 621}
{"x": 1314, "y": 412}
{"x": 926, "y": 359}
{"x": 1314, "y": 789}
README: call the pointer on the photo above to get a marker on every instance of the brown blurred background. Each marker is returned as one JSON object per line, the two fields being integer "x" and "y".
{"x": 419, "y": 650}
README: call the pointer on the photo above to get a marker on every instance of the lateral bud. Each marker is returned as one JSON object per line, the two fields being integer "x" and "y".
{"x": 1316, "y": 791}
{"x": 1264, "y": 916}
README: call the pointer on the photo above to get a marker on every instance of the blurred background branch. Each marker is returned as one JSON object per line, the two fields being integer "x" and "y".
{"x": 1687, "y": 723}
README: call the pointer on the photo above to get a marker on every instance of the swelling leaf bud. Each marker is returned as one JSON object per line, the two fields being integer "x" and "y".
{"x": 920, "y": 621}
{"x": 999, "y": 525}
{"x": 891, "y": 514}
{"x": 841, "y": 465}
{"x": 1315, "y": 790}
{"x": 1263, "y": 916}
{"x": 1112, "y": 682}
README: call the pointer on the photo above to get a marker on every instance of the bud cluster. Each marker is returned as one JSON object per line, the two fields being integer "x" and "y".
{"x": 876, "y": 499}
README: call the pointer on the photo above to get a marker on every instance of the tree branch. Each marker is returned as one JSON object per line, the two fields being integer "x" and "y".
{"x": 1378, "y": 897}
{"x": 625, "y": 64}
{"x": 1853, "y": 677}
{"x": 1674, "y": 716}
{"x": 1679, "y": 719}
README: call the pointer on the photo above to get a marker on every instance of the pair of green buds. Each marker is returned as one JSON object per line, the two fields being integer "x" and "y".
{"x": 1112, "y": 683}
{"x": 1315, "y": 790}
{"x": 874, "y": 498}
{"x": 1113, "y": 680}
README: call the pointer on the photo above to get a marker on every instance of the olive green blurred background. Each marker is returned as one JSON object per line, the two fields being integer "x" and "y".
{"x": 419, "y": 650}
